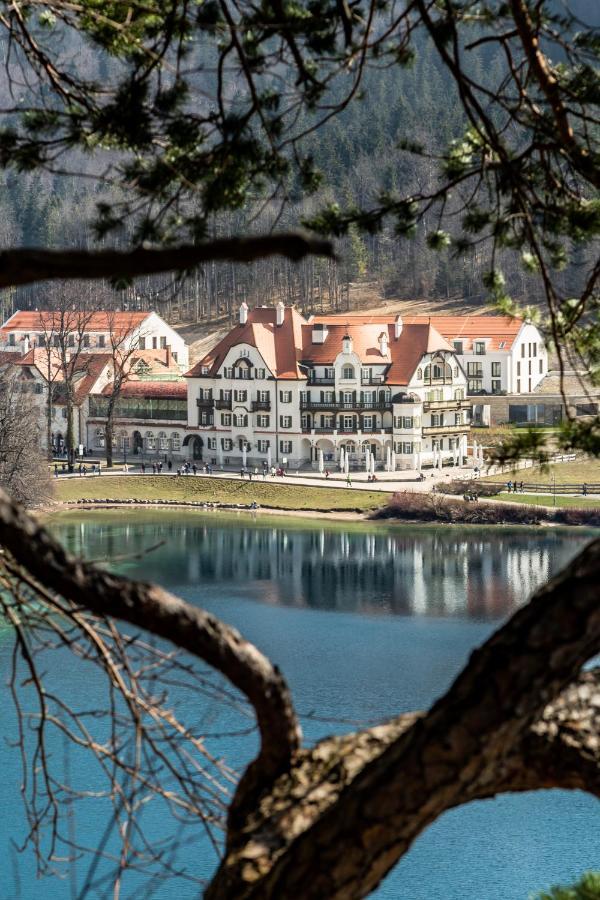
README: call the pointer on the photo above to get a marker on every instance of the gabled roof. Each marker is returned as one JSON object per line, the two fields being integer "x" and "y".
{"x": 403, "y": 354}
{"x": 465, "y": 328}
{"x": 42, "y": 320}
{"x": 286, "y": 347}
{"x": 497, "y": 329}
{"x": 279, "y": 345}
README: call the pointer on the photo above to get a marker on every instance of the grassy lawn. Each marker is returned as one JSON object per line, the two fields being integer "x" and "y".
{"x": 584, "y": 470}
{"x": 495, "y": 434}
{"x": 280, "y": 495}
{"x": 539, "y": 500}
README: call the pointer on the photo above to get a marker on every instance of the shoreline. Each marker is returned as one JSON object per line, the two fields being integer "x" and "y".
{"x": 348, "y": 516}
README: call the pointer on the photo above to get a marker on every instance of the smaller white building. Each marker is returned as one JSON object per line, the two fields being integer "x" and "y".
{"x": 500, "y": 354}
{"x": 94, "y": 332}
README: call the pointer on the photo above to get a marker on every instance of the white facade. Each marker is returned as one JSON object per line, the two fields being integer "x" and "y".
{"x": 344, "y": 409}
{"x": 516, "y": 368}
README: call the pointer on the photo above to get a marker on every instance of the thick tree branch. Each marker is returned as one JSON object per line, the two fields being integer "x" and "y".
{"x": 548, "y": 83}
{"x": 334, "y": 828}
{"x": 24, "y": 266}
{"x": 155, "y": 610}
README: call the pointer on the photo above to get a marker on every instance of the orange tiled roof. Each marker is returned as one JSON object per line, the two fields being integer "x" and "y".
{"x": 465, "y": 328}
{"x": 402, "y": 354}
{"x": 470, "y": 328}
{"x": 286, "y": 347}
{"x": 279, "y": 345}
{"x": 103, "y": 320}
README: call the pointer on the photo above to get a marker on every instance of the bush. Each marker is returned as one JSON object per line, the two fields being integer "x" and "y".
{"x": 436, "y": 507}
{"x": 587, "y": 888}
{"x": 415, "y": 507}
{"x": 458, "y": 488}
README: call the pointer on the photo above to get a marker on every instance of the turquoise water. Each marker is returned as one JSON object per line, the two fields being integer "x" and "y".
{"x": 365, "y": 622}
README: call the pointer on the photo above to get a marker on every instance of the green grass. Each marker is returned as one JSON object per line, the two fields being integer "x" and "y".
{"x": 543, "y": 500}
{"x": 577, "y": 472}
{"x": 279, "y": 495}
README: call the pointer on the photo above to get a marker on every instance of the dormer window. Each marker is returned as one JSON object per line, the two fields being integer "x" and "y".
{"x": 458, "y": 347}
{"x": 479, "y": 347}
{"x": 204, "y": 370}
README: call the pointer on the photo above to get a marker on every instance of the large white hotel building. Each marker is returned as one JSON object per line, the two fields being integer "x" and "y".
{"x": 282, "y": 389}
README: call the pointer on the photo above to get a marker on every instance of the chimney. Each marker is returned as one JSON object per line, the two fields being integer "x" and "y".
{"x": 398, "y": 326}
{"x": 280, "y": 313}
{"x": 168, "y": 355}
{"x": 383, "y": 343}
{"x": 346, "y": 344}
{"x": 243, "y": 313}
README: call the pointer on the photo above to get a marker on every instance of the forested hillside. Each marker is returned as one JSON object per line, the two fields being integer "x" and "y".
{"x": 359, "y": 153}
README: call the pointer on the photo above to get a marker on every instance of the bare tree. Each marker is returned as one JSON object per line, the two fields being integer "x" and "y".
{"x": 23, "y": 470}
{"x": 328, "y": 821}
{"x": 123, "y": 343}
{"x": 66, "y": 329}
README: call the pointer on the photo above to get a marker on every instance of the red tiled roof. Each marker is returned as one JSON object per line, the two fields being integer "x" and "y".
{"x": 465, "y": 328}
{"x": 470, "y": 328}
{"x": 175, "y": 390}
{"x": 279, "y": 345}
{"x": 402, "y": 354}
{"x": 102, "y": 320}
{"x": 285, "y": 347}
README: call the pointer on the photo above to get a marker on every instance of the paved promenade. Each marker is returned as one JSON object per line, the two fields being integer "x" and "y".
{"x": 387, "y": 482}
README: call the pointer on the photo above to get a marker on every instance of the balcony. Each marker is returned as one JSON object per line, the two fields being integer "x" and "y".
{"x": 445, "y": 429}
{"x": 446, "y": 404}
{"x": 339, "y": 404}
{"x": 205, "y": 402}
{"x": 373, "y": 379}
{"x": 223, "y": 404}
{"x": 321, "y": 380}
{"x": 261, "y": 406}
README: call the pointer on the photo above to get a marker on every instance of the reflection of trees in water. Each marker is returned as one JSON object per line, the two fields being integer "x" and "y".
{"x": 424, "y": 572}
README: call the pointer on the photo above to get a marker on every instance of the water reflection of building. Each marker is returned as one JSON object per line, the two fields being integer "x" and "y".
{"x": 429, "y": 572}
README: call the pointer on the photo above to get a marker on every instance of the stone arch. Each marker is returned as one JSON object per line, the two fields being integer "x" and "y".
{"x": 328, "y": 448}
{"x": 195, "y": 445}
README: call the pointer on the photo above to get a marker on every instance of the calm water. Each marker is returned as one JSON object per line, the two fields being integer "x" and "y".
{"x": 365, "y": 622}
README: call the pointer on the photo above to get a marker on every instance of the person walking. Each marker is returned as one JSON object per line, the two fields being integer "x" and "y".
{"x": 195, "y": 469}
{"x": 55, "y": 470}
{"x": 169, "y": 465}
{"x": 348, "y": 480}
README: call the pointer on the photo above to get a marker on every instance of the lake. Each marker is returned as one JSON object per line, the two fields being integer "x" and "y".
{"x": 366, "y": 621}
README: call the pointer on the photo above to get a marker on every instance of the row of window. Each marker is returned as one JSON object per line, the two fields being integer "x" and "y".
{"x": 478, "y": 347}
{"x": 85, "y": 340}
{"x": 438, "y": 419}
{"x": 161, "y": 441}
{"x": 529, "y": 350}
{"x": 475, "y": 370}
{"x": 244, "y": 373}
{"x": 476, "y": 385}
{"x": 263, "y": 446}
{"x": 530, "y": 372}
